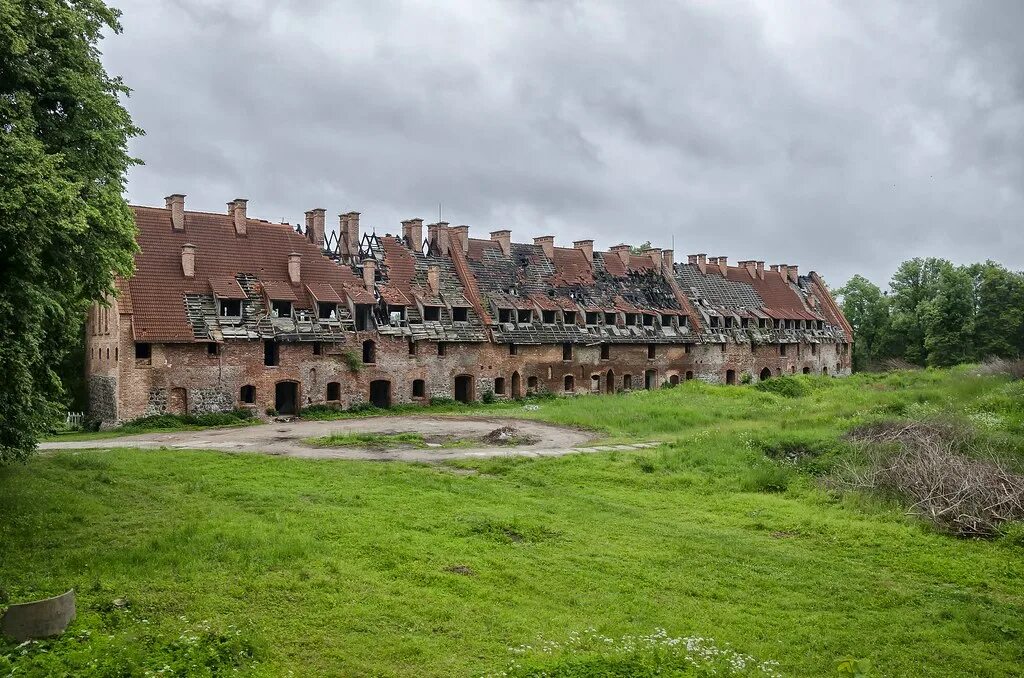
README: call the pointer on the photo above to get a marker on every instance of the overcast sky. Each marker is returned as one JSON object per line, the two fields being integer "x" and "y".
{"x": 839, "y": 136}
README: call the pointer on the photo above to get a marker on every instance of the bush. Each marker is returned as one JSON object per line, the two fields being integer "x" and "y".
{"x": 271, "y": 411}
{"x": 766, "y": 478}
{"x": 790, "y": 387}
{"x": 488, "y": 397}
{"x": 441, "y": 401}
{"x": 354, "y": 362}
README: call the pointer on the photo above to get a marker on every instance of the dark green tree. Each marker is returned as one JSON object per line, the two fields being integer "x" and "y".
{"x": 948, "y": 319}
{"x": 915, "y": 283}
{"x": 65, "y": 228}
{"x": 867, "y": 310}
{"x": 999, "y": 311}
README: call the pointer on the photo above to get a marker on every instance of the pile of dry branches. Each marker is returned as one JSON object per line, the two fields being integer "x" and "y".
{"x": 934, "y": 467}
{"x": 1002, "y": 367}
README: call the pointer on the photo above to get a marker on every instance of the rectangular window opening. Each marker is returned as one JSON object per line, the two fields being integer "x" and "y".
{"x": 431, "y": 313}
{"x": 460, "y": 314}
{"x": 567, "y": 351}
{"x": 271, "y": 353}
{"x": 231, "y": 308}
{"x": 281, "y": 309}
{"x": 143, "y": 351}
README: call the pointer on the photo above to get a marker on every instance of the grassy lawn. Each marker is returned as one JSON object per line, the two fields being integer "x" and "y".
{"x": 383, "y": 441}
{"x": 362, "y": 568}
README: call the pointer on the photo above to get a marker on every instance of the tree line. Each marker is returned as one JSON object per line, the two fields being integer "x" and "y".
{"x": 937, "y": 314}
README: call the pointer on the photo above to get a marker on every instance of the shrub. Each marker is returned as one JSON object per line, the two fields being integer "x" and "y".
{"x": 766, "y": 478}
{"x": 488, "y": 397}
{"x": 441, "y": 401}
{"x": 1002, "y": 367}
{"x": 354, "y": 362}
{"x": 790, "y": 387}
{"x": 271, "y": 411}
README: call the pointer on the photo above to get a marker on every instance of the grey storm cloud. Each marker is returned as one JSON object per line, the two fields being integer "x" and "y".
{"x": 843, "y": 137}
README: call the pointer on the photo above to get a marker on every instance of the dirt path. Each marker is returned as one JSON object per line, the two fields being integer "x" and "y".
{"x": 286, "y": 439}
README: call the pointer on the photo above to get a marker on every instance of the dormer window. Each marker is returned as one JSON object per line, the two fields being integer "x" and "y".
{"x": 591, "y": 317}
{"x": 666, "y": 321}
{"x": 396, "y": 314}
{"x": 281, "y": 309}
{"x": 327, "y": 310}
{"x": 744, "y": 322}
{"x": 548, "y": 317}
{"x": 569, "y": 317}
{"x": 728, "y": 321}
{"x": 648, "y": 320}
{"x": 431, "y": 313}
{"x": 460, "y": 314}
{"x": 714, "y": 321}
{"x": 505, "y": 315}
{"x": 609, "y": 319}
{"x": 231, "y": 308}
{"x": 630, "y": 319}
{"x": 762, "y": 323}
{"x": 684, "y": 321}
{"x": 524, "y": 316}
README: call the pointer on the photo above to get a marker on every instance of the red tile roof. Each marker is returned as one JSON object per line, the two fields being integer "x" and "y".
{"x": 227, "y": 288}
{"x": 158, "y": 287}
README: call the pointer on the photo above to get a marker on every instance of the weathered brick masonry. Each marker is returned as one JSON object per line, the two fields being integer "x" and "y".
{"x": 226, "y": 311}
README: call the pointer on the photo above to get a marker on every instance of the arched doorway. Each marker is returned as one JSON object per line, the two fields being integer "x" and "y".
{"x": 517, "y": 386}
{"x": 609, "y": 382}
{"x": 380, "y": 393}
{"x": 730, "y": 376}
{"x": 650, "y": 379}
{"x": 766, "y": 374}
{"x": 807, "y": 370}
{"x": 464, "y": 388}
{"x": 824, "y": 370}
{"x": 286, "y": 397}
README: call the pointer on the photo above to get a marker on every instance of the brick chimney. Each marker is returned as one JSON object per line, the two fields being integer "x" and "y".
{"x": 188, "y": 260}
{"x": 751, "y": 267}
{"x": 176, "y": 203}
{"x": 760, "y": 269}
{"x": 461, "y": 234}
{"x": 782, "y": 269}
{"x": 587, "y": 247}
{"x": 438, "y": 234}
{"x": 343, "y": 248}
{"x": 622, "y": 251}
{"x": 369, "y": 273}
{"x": 412, "y": 231}
{"x": 655, "y": 254}
{"x": 504, "y": 240}
{"x": 353, "y": 233}
{"x": 238, "y": 211}
{"x": 434, "y": 278}
{"x": 295, "y": 267}
{"x": 547, "y": 245}
{"x": 794, "y": 273}
{"x": 315, "y": 226}
{"x": 723, "y": 265}
{"x": 668, "y": 261}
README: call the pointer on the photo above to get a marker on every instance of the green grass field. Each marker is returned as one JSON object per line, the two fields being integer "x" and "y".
{"x": 273, "y": 565}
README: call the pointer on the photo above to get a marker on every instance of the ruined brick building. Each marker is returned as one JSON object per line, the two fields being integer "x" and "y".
{"x": 228, "y": 311}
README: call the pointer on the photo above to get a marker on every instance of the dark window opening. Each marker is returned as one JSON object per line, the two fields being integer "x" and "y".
{"x": 441, "y": 348}
{"x": 419, "y": 388}
{"x": 364, "y": 316}
{"x": 213, "y": 348}
{"x": 648, "y": 320}
{"x": 814, "y": 349}
{"x": 566, "y": 351}
{"x": 547, "y": 317}
{"x": 271, "y": 353}
{"x": 687, "y": 348}
{"x": 666, "y": 321}
{"x": 569, "y": 317}
{"x": 606, "y": 351}
{"x": 230, "y": 308}
{"x": 499, "y": 386}
{"x": 333, "y": 391}
{"x": 689, "y": 375}
{"x": 630, "y": 319}
{"x": 765, "y": 374}
{"x": 318, "y": 348}
{"x": 327, "y": 311}
{"x": 505, "y": 315}
{"x": 464, "y": 388}
{"x": 143, "y": 351}
{"x": 281, "y": 309}
{"x": 396, "y": 314}
{"x": 627, "y": 382}
{"x": 412, "y": 347}
{"x": 762, "y": 323}
{"x": 730, "y": 376}
{"x": 591, "y": 318}
{"x": 782, "y": 349}
{"x": 247, "y": 394}
{"x": 369, "y": 352}
{"x": 807, "y": 370}
{"x": 524, "y": 316}
{"x": 714, "y": 321}
{"x": 722, "y": 346}
{"x": 513, "y": 349}
{"x": 569, "y": 383}
{"x": 431, "y": 313}
{"x": 609, "y": 318}
{"x": 286, "y": 397}
{"x": 380, "y": 393}
{"x": 684, "y": 321}
{"x": 460, "y": 314}
{"x": 728, "y": 321}
{"x": 650, "y": 379}
{"x": 673, "y": 380}
{"x": 652, "y": 351}
{"x": 531, "y": 384}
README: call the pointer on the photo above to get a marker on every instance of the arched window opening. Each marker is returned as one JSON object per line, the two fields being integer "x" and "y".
{"x": 569, "y": 384}
{"x": 766, "y": 374}
{"x": 248, "y": 394}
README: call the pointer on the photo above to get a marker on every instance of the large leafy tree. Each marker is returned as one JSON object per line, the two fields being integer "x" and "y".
{"x": 948, "y": 319}
{"x": 867, "y": 310}
{"x": 914, "y": 285}
{"x": 65, "y": 228}
{"x": 999, "y": 314}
